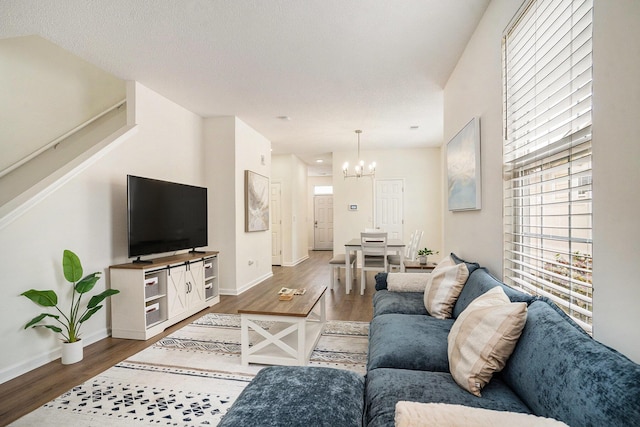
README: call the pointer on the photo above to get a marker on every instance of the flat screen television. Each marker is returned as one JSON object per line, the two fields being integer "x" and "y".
{"x": 164, "y": 216}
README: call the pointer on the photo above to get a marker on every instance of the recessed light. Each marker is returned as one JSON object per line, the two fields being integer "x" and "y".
{"x": 414, "y": 127}
{"x": 284, "y": 117}
{"x": 319, "y": 161}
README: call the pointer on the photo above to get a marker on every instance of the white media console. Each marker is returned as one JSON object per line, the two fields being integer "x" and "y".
{"x": 157, "y": 295}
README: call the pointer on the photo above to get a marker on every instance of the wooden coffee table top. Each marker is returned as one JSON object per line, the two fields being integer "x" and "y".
{"x": 299, "y": 306}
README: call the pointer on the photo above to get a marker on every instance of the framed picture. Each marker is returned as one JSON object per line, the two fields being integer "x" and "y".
{"x": 256, "y": 202}
{"x": 463, "y": 168}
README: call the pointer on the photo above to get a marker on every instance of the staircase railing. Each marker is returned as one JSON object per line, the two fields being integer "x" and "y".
{"x": 58, "y": 140}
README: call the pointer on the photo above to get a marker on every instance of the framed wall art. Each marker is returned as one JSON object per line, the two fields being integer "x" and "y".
{"x": 463, "y": 168}
{"x": 256, "y": 202}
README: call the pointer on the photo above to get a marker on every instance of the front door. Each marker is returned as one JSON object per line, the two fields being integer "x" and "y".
{"x": 323, "y": 223}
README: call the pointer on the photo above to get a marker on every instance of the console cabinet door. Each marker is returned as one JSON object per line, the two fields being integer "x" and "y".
{"x": 195, "y": 284}
{"x": 177, "y": 290}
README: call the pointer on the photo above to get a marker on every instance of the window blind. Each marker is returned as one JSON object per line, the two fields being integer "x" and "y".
{"x": 547, "y": 77}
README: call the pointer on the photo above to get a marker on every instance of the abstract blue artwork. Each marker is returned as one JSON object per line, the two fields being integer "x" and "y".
{"x": 463, "y": 168}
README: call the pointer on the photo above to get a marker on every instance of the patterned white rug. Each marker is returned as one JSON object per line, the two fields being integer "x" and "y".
{"x": 189, "y": 378}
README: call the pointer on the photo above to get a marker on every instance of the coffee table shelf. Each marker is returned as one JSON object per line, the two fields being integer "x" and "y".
{"x": 292, "y": 333}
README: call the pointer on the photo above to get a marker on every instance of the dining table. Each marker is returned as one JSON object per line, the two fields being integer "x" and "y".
{"x": 354, "y": 245}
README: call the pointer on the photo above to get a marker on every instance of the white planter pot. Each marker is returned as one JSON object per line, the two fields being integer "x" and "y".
{"x": 72, "y": 352}
{"x": 422, "y": 259}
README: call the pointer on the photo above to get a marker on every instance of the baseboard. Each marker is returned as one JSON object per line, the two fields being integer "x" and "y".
{"x": 35, "y": 362}
{"x": 246, "y": 287}
{"x": 293, "y": 264}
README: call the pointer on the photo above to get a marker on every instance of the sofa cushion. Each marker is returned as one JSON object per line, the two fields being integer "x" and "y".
{"x": 381, "y": 278}
{"x": 563, "y": 373}
{"x": 386, "y": 387}
{"x": 444, "y": 262}
{"x": 299, "y": 396}
{"x": 483, "y": 337}
{"x": 385, "y": 302}
{"x": 408, "y": 342}
{"x": 442, "y": 290}
{"x": 381, "y": 281}
{"x": 471, "y": 266}
{"x": 414, "y": 414}
{"x": 479, "y": 282}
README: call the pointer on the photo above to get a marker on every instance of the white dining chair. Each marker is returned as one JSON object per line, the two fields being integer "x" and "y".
{"x": 337, "y": 262}
{"x": 374, "y": 255}
{"x": 393, "y": 260}
{"x": 413, "y": 254}
{"x": 374, "y": 230}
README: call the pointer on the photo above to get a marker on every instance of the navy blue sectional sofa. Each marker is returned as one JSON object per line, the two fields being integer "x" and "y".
{"x": 556, "y": 370}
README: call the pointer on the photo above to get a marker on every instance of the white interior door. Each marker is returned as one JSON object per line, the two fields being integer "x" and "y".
{"x": 275, "y": 213}
{"x": 389, "y": 200}
{"x": 323, "y": 222}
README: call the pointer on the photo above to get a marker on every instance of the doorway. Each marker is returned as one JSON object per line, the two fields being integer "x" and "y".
{"x": 323, "y": 223}
{"x": 276, "y": 223}
{"x": 389, "y": 202}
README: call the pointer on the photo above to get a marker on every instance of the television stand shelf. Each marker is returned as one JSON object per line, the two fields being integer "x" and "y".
{"x": 156, "y": 295}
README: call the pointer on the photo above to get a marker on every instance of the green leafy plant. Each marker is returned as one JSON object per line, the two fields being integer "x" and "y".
{"x": 427, "y": 251}
{"x": 71, "y": 321}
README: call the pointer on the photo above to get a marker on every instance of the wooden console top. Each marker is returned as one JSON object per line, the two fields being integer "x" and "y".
{"x": 167, "y": 260}
{"x": 300, "y": 306}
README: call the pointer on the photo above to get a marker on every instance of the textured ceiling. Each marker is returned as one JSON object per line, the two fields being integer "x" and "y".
{"x": 331, "y": 66}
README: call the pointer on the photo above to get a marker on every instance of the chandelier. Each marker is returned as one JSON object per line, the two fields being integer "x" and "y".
{"x": 359, "y": 168}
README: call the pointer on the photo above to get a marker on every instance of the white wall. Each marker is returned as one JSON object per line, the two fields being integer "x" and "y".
{"x": 291, "y": 172}
{"x": 47, "y": 91}
{"x": 88, "y": 216}
{"x": 474, "y": 89}
{"x": 254, "y": 246}
{"x": 616, "y": 174}
{"x": 421, "y": 171}
{"x": 220, "y": 169}
{"x": 231, "y": 147}
{"x": 300, "y": 245}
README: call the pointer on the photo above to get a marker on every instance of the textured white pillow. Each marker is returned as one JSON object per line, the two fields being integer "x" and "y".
{"x": 483, "y": 337}
{"x": 443, "y": 289}
{"x": 415, "y": 414}
{"x": 407, "y": 282}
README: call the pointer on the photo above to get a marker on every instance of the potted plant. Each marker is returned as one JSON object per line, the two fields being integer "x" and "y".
{"x": 73, "y": 319}
{"x": 424, "y": 253}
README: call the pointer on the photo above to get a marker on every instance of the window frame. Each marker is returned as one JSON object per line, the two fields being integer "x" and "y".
{"x": 547, "y": 155}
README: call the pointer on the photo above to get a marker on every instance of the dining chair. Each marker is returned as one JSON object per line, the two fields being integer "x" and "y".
{"x": 374, "y": 255}
{"x": 393, "y": 260}
{"x": 337, "y": 262}
{"x": 413, "y": 255}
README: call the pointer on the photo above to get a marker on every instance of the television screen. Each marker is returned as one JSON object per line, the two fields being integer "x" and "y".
{"x": 164, "y": 216}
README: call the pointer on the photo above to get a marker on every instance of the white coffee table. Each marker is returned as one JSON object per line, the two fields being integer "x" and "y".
{"x": 294, "y": 333}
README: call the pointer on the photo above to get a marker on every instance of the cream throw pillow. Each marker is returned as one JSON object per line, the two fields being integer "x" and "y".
{"x": 444, "y": 262}
{"x": 443, "y": 288}
{"x": 483, "y": 337}
{"x": 415, "y": 414}
{"x": 407, "y": 282}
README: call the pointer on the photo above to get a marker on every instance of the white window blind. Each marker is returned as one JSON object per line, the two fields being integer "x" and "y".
{"x": 547, "y": 153}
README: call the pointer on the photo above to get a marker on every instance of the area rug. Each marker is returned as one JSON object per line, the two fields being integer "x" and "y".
{"x": 189, "y": 378}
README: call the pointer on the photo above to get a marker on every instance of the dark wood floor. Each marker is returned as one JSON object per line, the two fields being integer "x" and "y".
{"x": 33, "y": 389}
